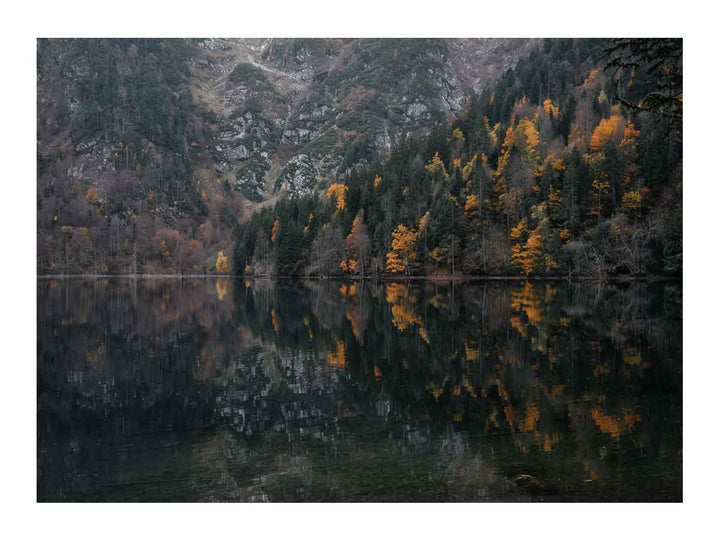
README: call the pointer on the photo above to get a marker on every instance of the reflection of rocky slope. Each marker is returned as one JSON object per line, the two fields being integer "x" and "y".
{"x": 272, "y": 391}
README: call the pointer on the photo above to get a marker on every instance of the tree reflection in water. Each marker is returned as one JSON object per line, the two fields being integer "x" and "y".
{"x": 221, "y": 389}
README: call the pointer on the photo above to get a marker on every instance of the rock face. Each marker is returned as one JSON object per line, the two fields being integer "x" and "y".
{"x": 299, "y": 176}
{"x": 152, "y": 150}
{"x": 321, "y": 106}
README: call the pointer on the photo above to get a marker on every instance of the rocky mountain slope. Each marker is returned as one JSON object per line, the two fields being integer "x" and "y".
{"x": 150, "y": 151}
{"x": 292, "y": 114}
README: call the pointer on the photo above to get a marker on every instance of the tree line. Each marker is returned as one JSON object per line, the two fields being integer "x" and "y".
{"x": 570, "y": 166}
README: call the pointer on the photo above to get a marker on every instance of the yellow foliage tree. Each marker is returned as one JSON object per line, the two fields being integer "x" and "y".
{"x": 468, "y": 168}
{"x": 458, "y": 134}
{"x": 436, "y": 166}
{"x": 275, "y": 228}
{"x": 338, "y": 191}
{"x": 550, "y": 109}
{"x": 222, "y": 265}
{"x": 493, "y": 131}
{"x": 532, "y": 136}
{"x": 530, "y": 252}
{"x": 555, "y": 204}
{"x": 402, "y": 254}
{"x": 517, "y": 231}
{"x": 558, "y": 164}
{"x": 632, "y": 201}
{"x": 348, "y": 266}
{"x": 600, "y": 185}
{"x": 607, "y": 130}
{"x": 630, "y": 133}
{"x": 423, "y": 222}
{"x": 472, "y": 206}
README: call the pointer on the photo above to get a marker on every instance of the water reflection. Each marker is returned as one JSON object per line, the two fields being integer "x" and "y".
{"x": 221, "y": 389}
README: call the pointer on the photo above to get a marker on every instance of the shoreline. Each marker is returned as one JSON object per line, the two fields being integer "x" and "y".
{"x": 357, "y": 278}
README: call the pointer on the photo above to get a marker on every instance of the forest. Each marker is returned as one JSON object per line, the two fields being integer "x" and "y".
{"x": 571, "y": 166}
{"x": 123, "y": 185}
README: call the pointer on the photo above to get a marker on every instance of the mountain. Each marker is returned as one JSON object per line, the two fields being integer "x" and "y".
{"x": 166, "y": 155}
{"x": 151, "y": 151}
{"x": 293, "y": 114}
{"x": 569, "y": 165}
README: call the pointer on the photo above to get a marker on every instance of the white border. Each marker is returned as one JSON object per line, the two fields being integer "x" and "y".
{"x": 24, "y": 22}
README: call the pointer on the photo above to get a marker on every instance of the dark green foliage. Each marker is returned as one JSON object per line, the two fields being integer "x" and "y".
{"x": 658, "y": 64}
{"x": 583, "y": 229}
{"x": 488, "y": 197}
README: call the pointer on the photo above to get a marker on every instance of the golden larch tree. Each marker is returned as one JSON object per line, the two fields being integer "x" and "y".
{"x": 608, "y": 129}
{"x": 338, "y": 191}
{"x": 402, "y": 254}
{"x": 550, "y": 109}
{"x": 222, "y": 265}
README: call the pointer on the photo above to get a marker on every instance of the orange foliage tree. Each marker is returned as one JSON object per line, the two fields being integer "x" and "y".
{"x": 550, "y": 109}
{"x": 276, "y": 226}
{"x": 338, "y": 191}
{"x": 530, "y": 251}
{"x": 608, "y": 129}
{"x": 398, "y": 259}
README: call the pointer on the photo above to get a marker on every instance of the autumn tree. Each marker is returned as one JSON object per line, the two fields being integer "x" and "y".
{"x": 436, "y": 168}
{"x": 531, "y": 250}
{"x": 632, "y": 202}
{"x": 337, "y": 191}
{"x": 222, "y": 265}
{"x": 609, "y": 129}
{"x": 400, "y": 258}
{"x": 533, "y": 174}
{"x": 275, "y": 228}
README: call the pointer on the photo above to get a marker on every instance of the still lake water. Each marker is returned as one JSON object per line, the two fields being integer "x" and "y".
{"x": 230, "y": 390}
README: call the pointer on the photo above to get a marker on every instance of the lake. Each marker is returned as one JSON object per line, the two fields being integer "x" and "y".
{"x": 219, "y": 389}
